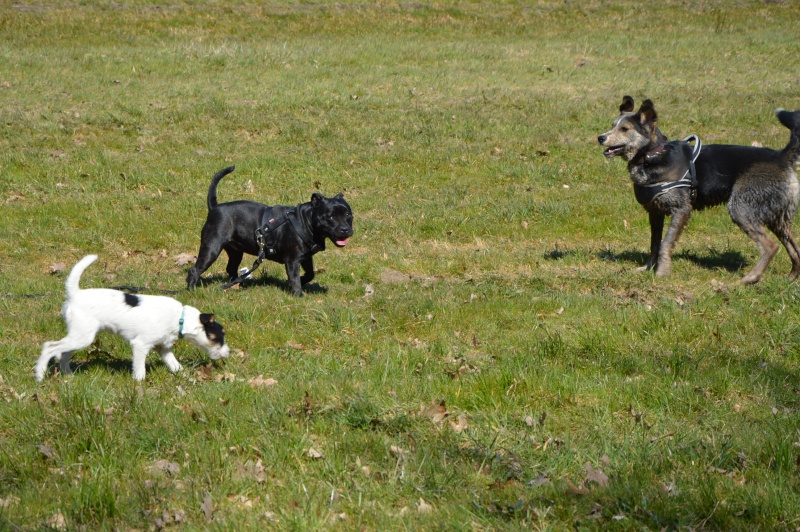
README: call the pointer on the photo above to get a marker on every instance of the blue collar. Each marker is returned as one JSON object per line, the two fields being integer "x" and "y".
{"x": 180, "y": 323}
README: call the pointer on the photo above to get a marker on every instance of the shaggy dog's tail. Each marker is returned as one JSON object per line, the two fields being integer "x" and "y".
{"x": 791, "y": 153}
{"x": 74, "y": 278}
{"x": 212, "y": 189}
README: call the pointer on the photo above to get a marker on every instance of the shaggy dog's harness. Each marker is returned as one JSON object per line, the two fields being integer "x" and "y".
{"x": 647, "y": 193}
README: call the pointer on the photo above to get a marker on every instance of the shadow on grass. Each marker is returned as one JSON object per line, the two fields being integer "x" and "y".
{"x": 121, "y": 361}
{"x": 730, "y": 261}
{"x": 218, "y": 281}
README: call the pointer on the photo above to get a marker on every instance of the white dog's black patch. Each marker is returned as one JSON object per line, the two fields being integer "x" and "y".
{"x": 132, "y": 300}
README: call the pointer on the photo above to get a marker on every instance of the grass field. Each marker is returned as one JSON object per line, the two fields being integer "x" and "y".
{"x": 482, "y": 355}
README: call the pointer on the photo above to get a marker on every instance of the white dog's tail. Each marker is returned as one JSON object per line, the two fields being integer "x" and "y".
{"x": 74, "y": 278}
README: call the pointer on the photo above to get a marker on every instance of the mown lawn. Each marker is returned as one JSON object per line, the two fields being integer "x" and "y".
{"x": 483, "y": 354}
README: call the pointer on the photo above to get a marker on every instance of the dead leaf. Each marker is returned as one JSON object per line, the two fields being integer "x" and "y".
{"x": 460, "y": 424}
{"x": 369, "y": 290}
{"x": 47, "y": 451}
{"x": 15, "y": 197}
{"x": 225, "y": 376}
{"x": 57, "y": 267}
{"x": 242, "y": 501}
{"x": 577, "y": 490}
{"x": 669, "y": 489}
{"x": 208, "y": 507}
{"x": 540, "y": 480}
{"x": 596, "y": 475}
{"x": 204, "y": 373}
{"x": 294, "y": 345}
{"x": 165, "y": 466}
{"x": 11, "y": 500}
{"x": 423, "y": 507}
{"x": 315, "y": 454}
{"x": 251, "y": 470}
{"x": 57, "y": 521}
{"x": 106, "y": 412}
{"x": 184, "y": 258}
{"x": 397, "y": 451}
{"x": 260, "y": 382}
{"x": 436, "y": 412}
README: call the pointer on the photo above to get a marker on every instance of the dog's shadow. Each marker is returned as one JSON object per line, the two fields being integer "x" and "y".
{"x": 730, "y": 261}
{"x": 96, "y": 356}
{"x": 219, "y": 280}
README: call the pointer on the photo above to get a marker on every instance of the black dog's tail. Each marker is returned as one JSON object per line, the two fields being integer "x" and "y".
{"x": 212, "y": 189}
{"x": 791, "y": 153}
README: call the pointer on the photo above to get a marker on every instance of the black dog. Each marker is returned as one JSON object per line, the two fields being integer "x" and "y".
{"x": 674, "y": 178}
{"x": 289, "y": 235}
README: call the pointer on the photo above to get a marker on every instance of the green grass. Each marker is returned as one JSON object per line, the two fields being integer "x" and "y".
{"x": 501, "y": 247}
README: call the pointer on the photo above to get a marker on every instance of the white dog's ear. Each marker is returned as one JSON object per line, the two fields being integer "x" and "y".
{"x": 206, "y": 318}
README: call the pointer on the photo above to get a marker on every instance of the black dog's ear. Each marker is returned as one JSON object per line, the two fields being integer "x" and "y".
{"x": 316, "y": 197}
{"x": 339, "y": 196}
{"x": 206, "y": 318}
{"x": 647, "y": 113}
{"x": 627, "y": 105}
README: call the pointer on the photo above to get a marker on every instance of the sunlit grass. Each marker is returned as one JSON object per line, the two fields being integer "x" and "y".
{"x": 492, "y": 269}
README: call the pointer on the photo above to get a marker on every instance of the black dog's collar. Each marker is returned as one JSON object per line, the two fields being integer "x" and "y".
{"x": 648, "y": 193}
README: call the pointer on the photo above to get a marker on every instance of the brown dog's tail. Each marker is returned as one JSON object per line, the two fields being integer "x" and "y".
{"x": 212, "y": 189}
{"x": 791, "y": 153}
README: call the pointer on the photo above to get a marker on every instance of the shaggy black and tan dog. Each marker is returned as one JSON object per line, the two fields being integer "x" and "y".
{"x": 759, "y": 185}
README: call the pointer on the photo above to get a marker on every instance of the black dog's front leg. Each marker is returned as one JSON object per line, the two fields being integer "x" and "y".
{"x": 656, "y": 230}
{"x": 308, "y": 268}
{"x": 293, "y": 272}
{"x": 676, "y": 226}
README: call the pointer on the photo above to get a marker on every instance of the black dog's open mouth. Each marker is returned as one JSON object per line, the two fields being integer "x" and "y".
{"x": 613, "y": 151}
{"x": 341, "y": 243}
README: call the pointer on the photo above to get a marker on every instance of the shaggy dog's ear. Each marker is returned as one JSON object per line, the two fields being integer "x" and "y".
{"x": 647, "y": 113}
{"x": 627, "y": 105}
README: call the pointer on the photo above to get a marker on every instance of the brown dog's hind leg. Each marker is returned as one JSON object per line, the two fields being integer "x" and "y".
{"x": 784, "y": 234}
{"x": 766, "y": 246}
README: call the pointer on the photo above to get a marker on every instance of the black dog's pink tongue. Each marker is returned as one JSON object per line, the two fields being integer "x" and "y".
{"x": 342, "y": 242}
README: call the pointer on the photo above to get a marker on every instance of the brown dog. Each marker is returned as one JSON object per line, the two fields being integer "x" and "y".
{"x": 759, "y": 185}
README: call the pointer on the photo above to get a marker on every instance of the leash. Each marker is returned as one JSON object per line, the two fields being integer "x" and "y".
{"x": 647, "y": 193}
{"x": 123, "y": 288}
{"x": 266, "y": 240}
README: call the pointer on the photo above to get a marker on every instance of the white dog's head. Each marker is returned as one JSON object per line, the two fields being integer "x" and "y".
{"x": 209, "y": 335}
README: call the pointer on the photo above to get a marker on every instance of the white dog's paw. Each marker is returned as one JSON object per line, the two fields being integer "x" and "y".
{"x": 174, "y": 368}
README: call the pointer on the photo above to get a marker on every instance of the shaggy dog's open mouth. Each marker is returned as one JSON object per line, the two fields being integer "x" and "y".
{"x": 613, "y": 151}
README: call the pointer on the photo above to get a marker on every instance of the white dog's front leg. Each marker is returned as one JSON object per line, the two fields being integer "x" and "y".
{"x": 169, "y": 359}
{"x": 139, "y": 358}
